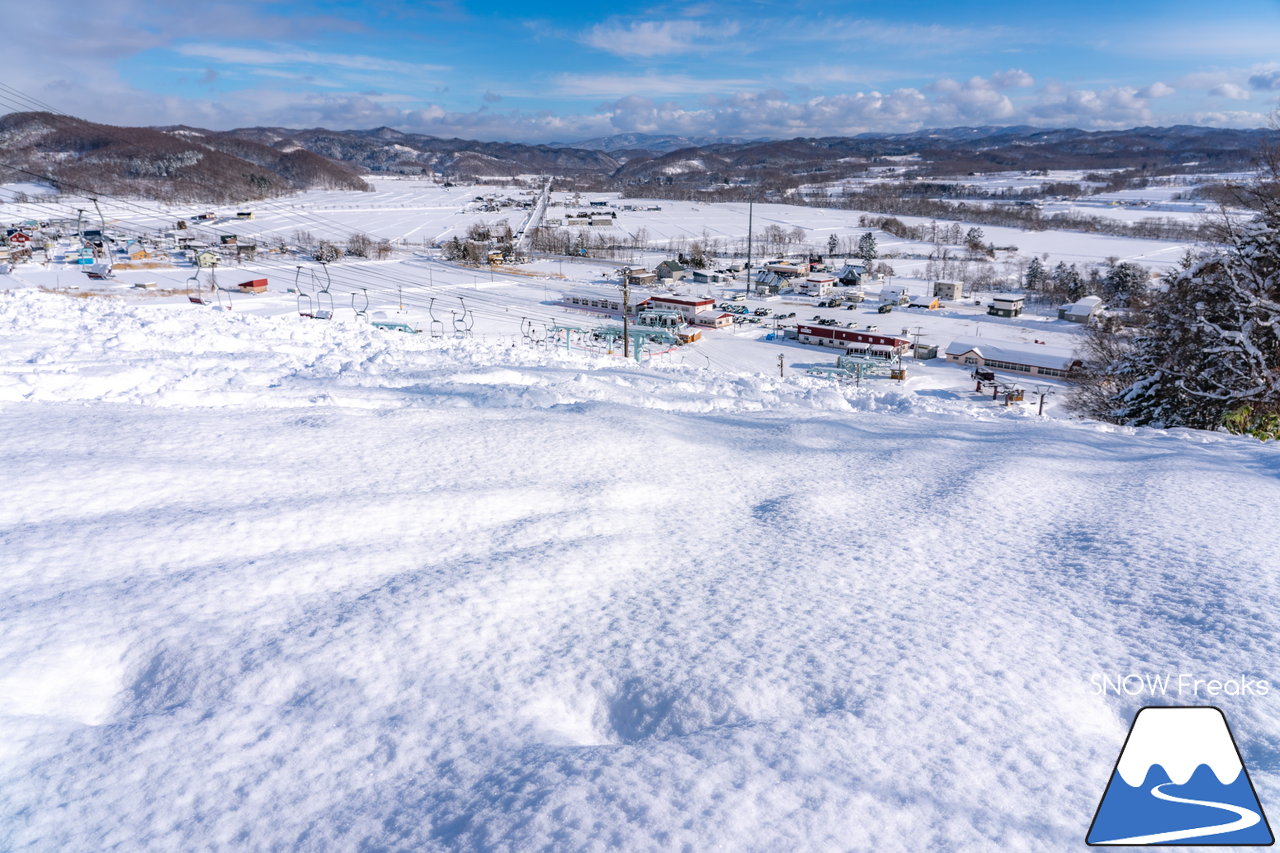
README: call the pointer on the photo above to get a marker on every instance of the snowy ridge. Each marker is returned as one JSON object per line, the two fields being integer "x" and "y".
{"x": 1179, "y": 740}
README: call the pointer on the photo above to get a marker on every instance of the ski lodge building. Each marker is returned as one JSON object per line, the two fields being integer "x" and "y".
{"x": 1013, "y": 357}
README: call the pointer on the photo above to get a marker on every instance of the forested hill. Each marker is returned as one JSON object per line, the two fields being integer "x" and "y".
{"x": 179, "y": 164}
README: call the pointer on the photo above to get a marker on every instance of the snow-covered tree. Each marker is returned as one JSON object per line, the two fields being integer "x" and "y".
{"x": 973, "y": 240}
{"x": 1124, "y": 281}
{"x": 1037, "y": 276}
{"x": 1210, "y": 350}
{"x": 867, "y": 250}
{"x": 1065, "y": 282}
{"x": 833, "y": 243}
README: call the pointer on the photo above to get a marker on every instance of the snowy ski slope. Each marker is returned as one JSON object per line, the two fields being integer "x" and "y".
{"x": 277, "y": 584}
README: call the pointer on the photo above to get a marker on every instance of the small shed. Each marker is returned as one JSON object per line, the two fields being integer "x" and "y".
{"x": 245, "y": 214}
{"x": 256, "y": 285}
{"x": 929, "y": 303}
{"x": 137, "y": 253}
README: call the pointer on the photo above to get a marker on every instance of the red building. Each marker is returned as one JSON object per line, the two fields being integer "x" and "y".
{"x": 854, "y": 341}
{"x": 686, "y": 305}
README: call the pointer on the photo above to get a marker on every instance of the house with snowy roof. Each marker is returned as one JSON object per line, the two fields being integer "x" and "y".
{"x": 671, "y": 270}
{"x": 1005, "y": 305}
{"x": 1082, "y": 310}
{"x": 1013, "y": 357}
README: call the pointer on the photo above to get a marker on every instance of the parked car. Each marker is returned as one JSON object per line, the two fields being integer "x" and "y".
{"x": 884, "y": 309}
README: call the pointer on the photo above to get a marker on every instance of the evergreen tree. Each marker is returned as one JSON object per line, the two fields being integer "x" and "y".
{"x": 1125, "y": 281}
{"x": 1066, "y": 283}
{"x": 867, "y": 249}
{"x": 1209, "y": 353}
{"x": 1037, "y": 276}
{"x": 973, "y": 240}
{"x": 833, "y": 243}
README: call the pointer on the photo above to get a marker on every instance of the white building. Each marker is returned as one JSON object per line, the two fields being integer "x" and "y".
{"x": 1005, "y": 305}
{"x": 815, "y": 284}
{"x": 894, "y": 294}
{"x": 1013, "y": 357}
{"x": 948, "y": 290}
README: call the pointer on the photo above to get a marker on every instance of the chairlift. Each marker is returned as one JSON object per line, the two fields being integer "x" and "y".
{"x": 305, "y": 305}
{"x": 437, "y": 326}
{"x": 324, "y": 298}
{"x": 361, "y": 311}
{"x": 223, "y": 296}
{"x": 193, "y": 291}
{"x": 464, "y": 322}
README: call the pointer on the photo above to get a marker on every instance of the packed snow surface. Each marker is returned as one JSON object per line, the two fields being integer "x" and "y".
{"x": 272, "y": 583}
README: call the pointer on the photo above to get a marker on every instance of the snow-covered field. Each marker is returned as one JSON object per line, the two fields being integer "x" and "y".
{"x": 274, "y": 584}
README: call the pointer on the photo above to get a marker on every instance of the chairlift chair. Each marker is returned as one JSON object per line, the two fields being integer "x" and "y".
{"x": 223, "y": 296}
{"x": 324, "y": 298}
{"x": 193, "y": 290}
{"x": 361, "y": 311}
{"x": 305, "y": 306}
{"x": 437, "y": 326}
{"x": 463, "y": 323}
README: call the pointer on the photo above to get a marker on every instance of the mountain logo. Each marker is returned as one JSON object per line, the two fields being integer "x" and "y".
{"x": 1180, "y": 780}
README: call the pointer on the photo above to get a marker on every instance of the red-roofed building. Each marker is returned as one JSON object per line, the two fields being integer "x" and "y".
{"x": 854, "y": 341}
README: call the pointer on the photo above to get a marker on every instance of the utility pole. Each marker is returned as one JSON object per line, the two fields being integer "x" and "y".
{"x": 626, "y": 294}
{"x": 780, "y": 363}
{"x": 915, "y": 346}
{"x": 750, "y": 217}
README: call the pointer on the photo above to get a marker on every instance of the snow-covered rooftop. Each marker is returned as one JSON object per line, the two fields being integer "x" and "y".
{"x": 1036, "y": 355}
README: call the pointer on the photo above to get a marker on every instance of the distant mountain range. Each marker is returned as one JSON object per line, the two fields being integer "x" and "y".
{"x": 189, "y": 163}
{"x": 177, "y": 163}
{"x": 622, "y": 143}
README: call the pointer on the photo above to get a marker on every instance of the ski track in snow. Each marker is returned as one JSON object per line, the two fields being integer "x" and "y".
{"x": 279, "y": 584}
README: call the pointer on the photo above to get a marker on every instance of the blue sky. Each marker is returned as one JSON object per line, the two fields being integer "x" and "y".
{"x": 574, "y": 70}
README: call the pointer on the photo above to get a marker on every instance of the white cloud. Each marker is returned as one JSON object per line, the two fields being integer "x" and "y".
{"x": 614, "y": 85}
{"x": 1156, "y": 90}
{"x": 1014, "y": 78}
{"x": 1266, "y": 80}
{"x": 1230, "y": 90}
{"x": 656, "y": 38}
{"x": 284, "y": 56}
{"x": 1233, "y": 118}
{"x": 1106, "y": 109}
